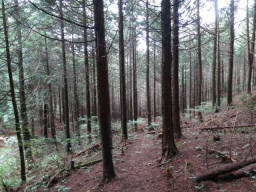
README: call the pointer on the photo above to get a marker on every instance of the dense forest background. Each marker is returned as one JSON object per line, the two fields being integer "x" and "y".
{"x": 74, "y": 73}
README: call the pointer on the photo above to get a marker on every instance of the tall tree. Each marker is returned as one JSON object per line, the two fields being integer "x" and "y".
{"x": 175, "y": 82}
{"x": 76, "y": 110}
{"x": 22, "y": 94}
{"x": 168, "y": 145}
{"x": 103, "y": 91}
{"x": 52, "y": 125}
{"x": 66, "y": 105}
{"x": 231, "y": 53}
{"x": 122, "y": 73}
{"x": 14, "y": 103}
{"x": 250, "y": 47}
{"x": 214, "y": 59}
{"x": 87, "y": 77}
{"x": 148, "y": 94}
{"x": 199, "y": 59}
{"x": 218, "y": 56}
{"x": 134, "y": 67}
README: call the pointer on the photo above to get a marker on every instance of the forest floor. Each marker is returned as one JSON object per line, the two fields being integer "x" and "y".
{"x": 137, "y": 165}
{"x": 138, "y": 169}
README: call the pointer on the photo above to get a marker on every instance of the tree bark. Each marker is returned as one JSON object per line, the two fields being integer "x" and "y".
{"x": 52, "y": 115}
{"x": 87, "y": 76}
{"x": 199, "y": 59}
{"x": 250, "y": 47}
{"x": 231, "y": 53}
{"x": 211, "y": 174}
{"x": 175, "y": 82}
{"x": 14, "y": 103}
{"x": 135, "y": 96}
{"x": 214, "y": 58}
{"x": 22, "y": 94}
{"x": 122, "y": 73}
{"x": 218, "y": 57}
{"x": 66, "y": 111}
{"x": 103, "y": 91}
{"x": 168, "y": 145}
{"x": 76, "y": 110}
{"x": 45, "y": 120}
{"x": 147, "y": 67}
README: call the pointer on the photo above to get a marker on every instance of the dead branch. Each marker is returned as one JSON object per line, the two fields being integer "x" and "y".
{"x": 225, "y": 127}
{"x": 213, "y": 173}
{"x": 87, "y": 164}
{"x": 92, "y": 148}
{"x": 224, "y": 156}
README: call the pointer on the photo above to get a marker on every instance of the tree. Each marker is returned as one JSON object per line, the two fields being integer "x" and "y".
{"x": 22, "y": 95}
{"x": 52, "y": 116}
{"x": 214, "y": 58}
{"x": 14, "y": 103}
{"x": 76, "y": 112}
{"x": 199, "y": 54}
{"x": 175, "y": 82}
{"x": 250, "y": 47}
{"x": 87, "y": 77}
{"x": 148, "y": 94}
{"x": 122, "y": 73}
{"x": 103, "y": 91}
{"x": 218, "y": 56}
{"x": 66, "y": 105}
{"x": 231, "y": 53}
{"x": 168, "y": 145}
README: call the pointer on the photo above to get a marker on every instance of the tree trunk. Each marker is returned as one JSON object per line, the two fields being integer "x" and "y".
{"x": 76, "y": 110}
{"x": 218, "y": 57}
{"x": 168, "y": 145}
{"x": 122, "y": 73}
{"x": 147, "y": 67}
{"x": 87, "y": 76}
{"x": 231, "y": 53}
{"x": 66, "y": 112}
{"x": 135, "y": 97}
{"x": 103, "y": 91}
{"x": 199, "y": 59}
{"x": 52, "y": 125}
{"x": 14, "y": 104}
{"x": 214, "y": 58}
{"x": 45, "y": 120}
{"x": 175, "y": 82}
{"x": 22, "y": 94}
{"x": 251, "y": 48}
{"x": 154, "y": 86}
{"x": 94, "y": 83}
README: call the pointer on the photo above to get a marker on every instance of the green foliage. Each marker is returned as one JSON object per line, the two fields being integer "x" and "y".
{"x": 247, "y": 101}
{"x": 199, "y": 187}
{"x": 205, "y": 107}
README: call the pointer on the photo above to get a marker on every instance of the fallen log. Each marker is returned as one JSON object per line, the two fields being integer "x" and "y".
{"x": 94, "y": 147}
{"x": 213, "y": 173}
{"x": 224, "y": 156}
{"x": 225, "y": 127}
{"x": 244, "y": 172}
{"x": 87, "y": 164}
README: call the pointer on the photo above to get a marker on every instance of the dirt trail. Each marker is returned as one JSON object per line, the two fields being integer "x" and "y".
{"x": 136, "y": 171}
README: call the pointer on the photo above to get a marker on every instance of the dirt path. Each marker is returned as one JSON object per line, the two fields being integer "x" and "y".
{"x": 136, "y": 171}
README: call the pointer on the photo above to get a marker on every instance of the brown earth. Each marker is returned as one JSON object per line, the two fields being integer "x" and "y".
{"x": 138, "y": 171}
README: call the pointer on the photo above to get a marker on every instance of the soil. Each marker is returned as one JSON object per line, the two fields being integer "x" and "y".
{"x": 137, "y": 163}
